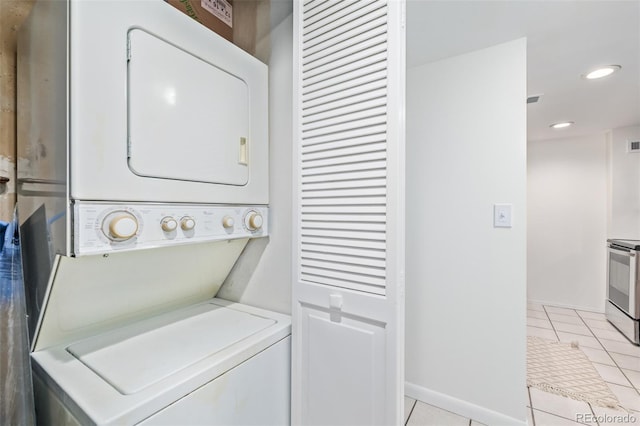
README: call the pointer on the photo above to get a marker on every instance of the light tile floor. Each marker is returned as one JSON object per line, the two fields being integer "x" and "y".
{"x": 417, "y": 413}
{"x": 617, "y": 360}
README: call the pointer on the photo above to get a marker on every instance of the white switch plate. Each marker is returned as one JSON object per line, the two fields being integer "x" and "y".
{"x": 502, "y": 215}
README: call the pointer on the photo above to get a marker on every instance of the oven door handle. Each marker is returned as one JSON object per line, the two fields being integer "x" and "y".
{"x": 629, "y": 253}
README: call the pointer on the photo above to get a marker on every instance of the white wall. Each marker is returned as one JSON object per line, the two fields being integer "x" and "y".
{"x": 465, "y": 279}
{"x": 567, "y": 208}
{"x": 262, "y": 275}
{"x": 624, "y": 185}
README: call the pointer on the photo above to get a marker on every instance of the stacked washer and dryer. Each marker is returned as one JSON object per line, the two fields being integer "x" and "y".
{"x": 143, "y": 139}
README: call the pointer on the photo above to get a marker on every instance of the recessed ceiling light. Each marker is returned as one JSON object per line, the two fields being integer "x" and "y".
{"x": 561, "y": 125}
{"x": 601, "y": 72}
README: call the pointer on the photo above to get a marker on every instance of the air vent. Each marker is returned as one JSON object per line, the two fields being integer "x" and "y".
{"x": 634, "y": 146}
{"x": 534, "y": 99}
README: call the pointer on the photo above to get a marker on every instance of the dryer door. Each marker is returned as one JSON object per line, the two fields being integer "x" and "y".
{"x": 188, "y": 120}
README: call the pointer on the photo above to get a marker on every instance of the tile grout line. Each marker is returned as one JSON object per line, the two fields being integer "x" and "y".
{"x": 415, "y": 401}
{"x": 609, "y": 355}
{"x": 551, "y": 322}
{"x": 530, "y": 407}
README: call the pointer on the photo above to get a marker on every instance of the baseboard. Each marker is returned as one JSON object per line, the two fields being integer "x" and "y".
{"x": 463, "y": 408}
{"x": 564, "y": 305}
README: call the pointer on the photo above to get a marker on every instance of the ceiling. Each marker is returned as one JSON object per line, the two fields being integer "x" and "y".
{"x": 565, "y": 39}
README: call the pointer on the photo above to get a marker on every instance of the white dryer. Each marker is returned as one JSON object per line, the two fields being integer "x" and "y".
{"x": 144, "y": 174}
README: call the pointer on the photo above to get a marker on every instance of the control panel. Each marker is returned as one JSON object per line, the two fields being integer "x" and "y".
{"x": 108, "y": 227}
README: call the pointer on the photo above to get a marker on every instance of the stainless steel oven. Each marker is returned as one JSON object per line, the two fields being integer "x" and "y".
{"x": 623, "y": 287}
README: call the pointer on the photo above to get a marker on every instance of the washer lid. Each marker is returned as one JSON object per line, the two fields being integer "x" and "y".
{"x": 135, "y": 357}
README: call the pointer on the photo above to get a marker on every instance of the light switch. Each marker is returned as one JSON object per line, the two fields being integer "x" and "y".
{"x": 502, "y": 215}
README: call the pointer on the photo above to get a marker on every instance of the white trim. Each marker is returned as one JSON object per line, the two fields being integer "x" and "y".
{"x": 564, "y": 305}
{"x": 296, "y": 123}
{"x": 460, "y": 407}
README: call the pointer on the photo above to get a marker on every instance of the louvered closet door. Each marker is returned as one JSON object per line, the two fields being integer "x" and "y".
{"x": 348, "y": 296}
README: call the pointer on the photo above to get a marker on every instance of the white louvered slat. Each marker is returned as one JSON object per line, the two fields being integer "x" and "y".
{"x": 325, "y": 10}
{"x": 357, "y": 226}
{"x": 343, "y": 158}
{"x": 360, "y": 157}
{"x": 343, "y": 168}
{"x": 319, "y": 54}
{"x": 346, "y": 136}
{"x": 321, "y": 92}
{"x": 350, "y": 252}
{"x": 369, "y": 219}
{"x": 349, "y": 184}
{"x": 342, "y": 259}
{"x": 336, "y": 81}
{"x": 345, "y": 274}
{"x": 315, "y": 27}
{"x": 346, "y": 97}
{"x": 345, "y": 193}
{"x": 345, "y": 270}
{"x": 346, "y": 151}
{"x": 347, "y": 201}
{"x": 336, "y": 127}
{"x": 340, "y": 106}
{"x": 319, "y": 279}
{"x": 361, "y": 210}
{"x": 355, "y": 114}
{"x": 349, "y": 175}
{"x": 336, "y": 30}
{"x": 350, "y": 65}
{"x": 309, "y": 5}
{"x": 343, "y": 242}
{"x": 355, "y": 141}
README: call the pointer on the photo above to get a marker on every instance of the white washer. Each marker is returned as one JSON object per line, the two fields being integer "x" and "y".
{"x": 214, "y": 363}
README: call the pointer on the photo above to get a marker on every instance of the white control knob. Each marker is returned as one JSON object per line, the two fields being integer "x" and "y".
{"x": 122, "y": 226}
{"x": 168, "y": 224}
{"x": 253, "y": 221}
{"x": 228, "y": 222}
{"x": 187, "y": 223}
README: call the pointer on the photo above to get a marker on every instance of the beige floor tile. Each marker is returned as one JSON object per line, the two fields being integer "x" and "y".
{"x": 537, "y": 322}
{"x": 428, "y": 415}
{"x": 542, "y": 332}
{"x": 556, "y": 404}
{"x": 537, "y": 314}
{"x": 595, "y": 323}
{"x": 572, "y": 328}
{"x": 609, "y": 334}
{"x": 535, "y": 306}
{"x": 565, "y": 318}
{"x": 609, "y": 416}
{"x": 633, "y": 376}
{"x": 561, "y": 311}
{"x": 628, "y": 397}
{"x": 592, "y": 315}
{"x": 612, "y": 374}
{"x": 598, "y": 355}
{"x": 588, "y": 341}
{"x": 475, "y": 423}
{"x": 542, "y": 418}
{"x": 408, "y": 406}
{"x": 618, "y": 347}
{"x": 628, "y": 362}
